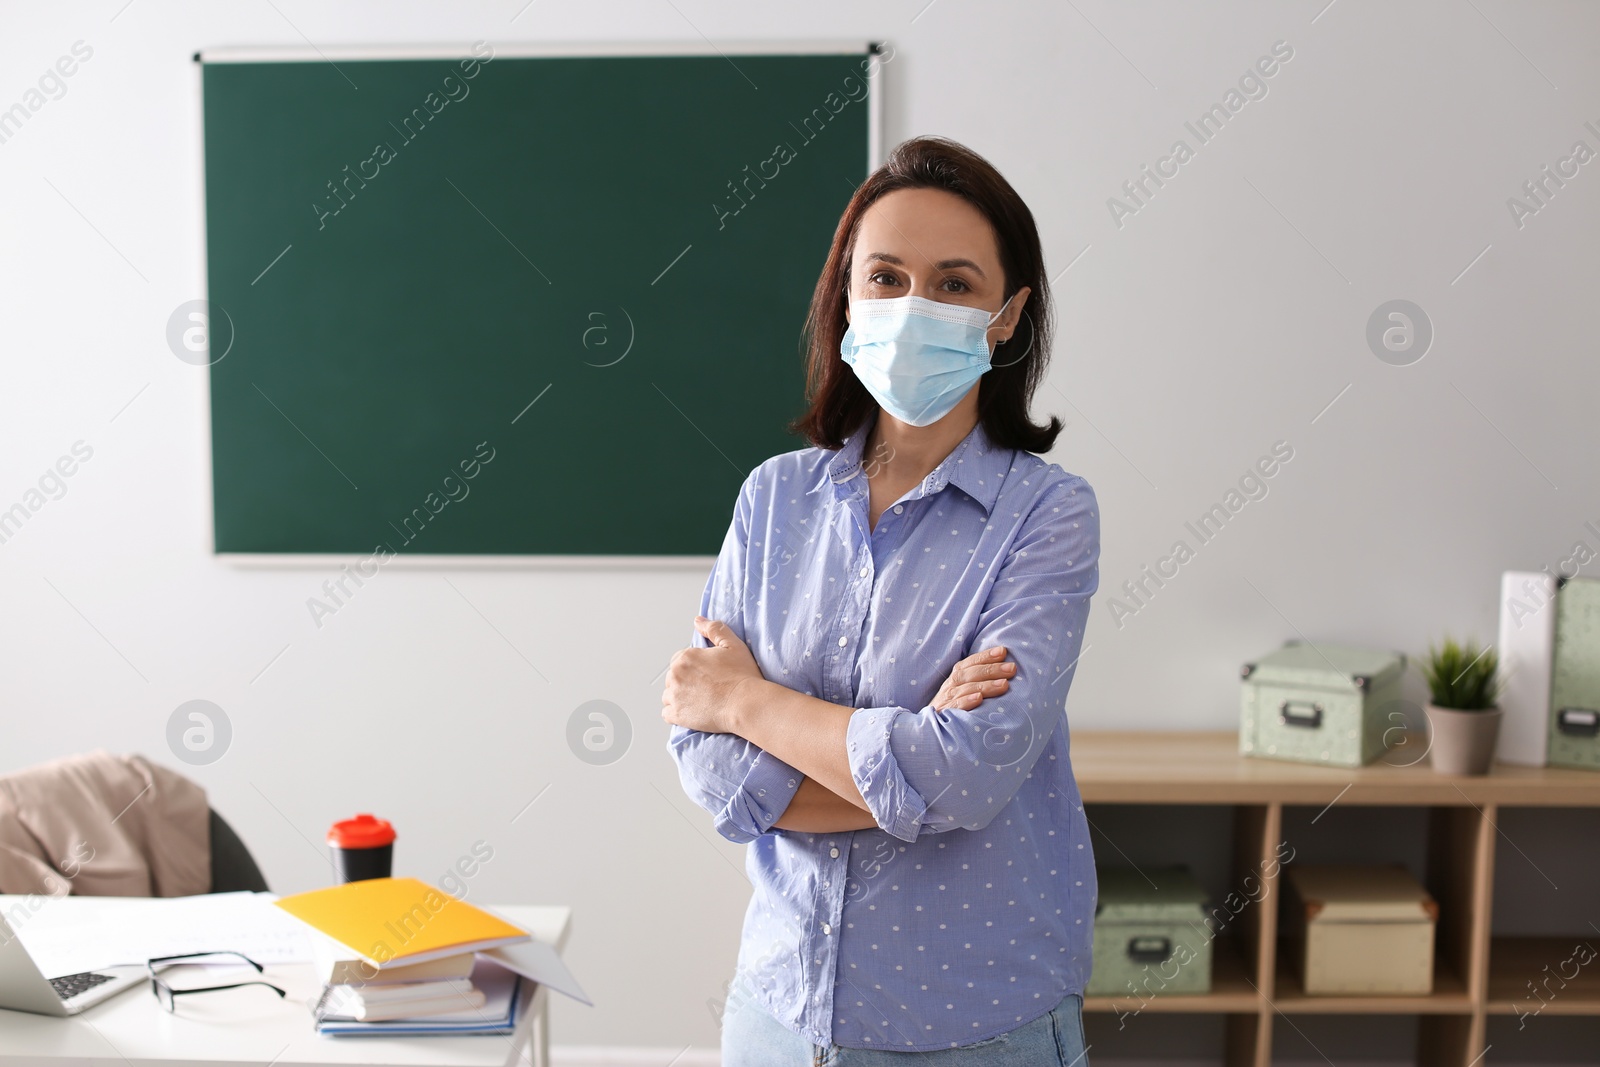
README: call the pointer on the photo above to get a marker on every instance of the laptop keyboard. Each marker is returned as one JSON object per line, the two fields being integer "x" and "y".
{"x": 69, "y": 986}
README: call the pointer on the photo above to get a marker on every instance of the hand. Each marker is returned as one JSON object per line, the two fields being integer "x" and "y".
{"x": 704, "y": 684}
{"x": 982, "y": 674}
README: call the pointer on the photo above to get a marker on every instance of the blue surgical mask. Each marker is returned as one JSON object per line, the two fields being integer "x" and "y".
{"x": 917, "y": 357}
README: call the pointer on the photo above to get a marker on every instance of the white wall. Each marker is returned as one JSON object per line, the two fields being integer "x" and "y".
{"x": 1224, "y": 316}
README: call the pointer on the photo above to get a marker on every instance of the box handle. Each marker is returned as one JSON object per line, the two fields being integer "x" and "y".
{"x": 1149, "y": 949}
{"x": 1301, "y": 713}
{"x": 1578, "y": 722}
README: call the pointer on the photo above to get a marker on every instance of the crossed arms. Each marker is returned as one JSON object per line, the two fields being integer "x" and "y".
{"x": 780, "y": 759}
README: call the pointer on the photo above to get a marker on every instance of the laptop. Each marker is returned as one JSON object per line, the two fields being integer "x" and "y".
{"x": 23, "y": 987}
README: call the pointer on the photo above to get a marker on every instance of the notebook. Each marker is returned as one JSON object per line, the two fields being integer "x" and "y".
{"x": 399, "y": 921}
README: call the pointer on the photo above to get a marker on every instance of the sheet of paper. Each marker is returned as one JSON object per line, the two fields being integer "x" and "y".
{"x": 542, "y": 963}
{"x": 62, "y": 940}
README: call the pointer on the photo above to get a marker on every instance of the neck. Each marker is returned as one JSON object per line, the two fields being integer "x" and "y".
{"x": 906, "y": 453}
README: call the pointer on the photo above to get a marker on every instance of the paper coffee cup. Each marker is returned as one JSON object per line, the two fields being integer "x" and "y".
{"x": 362, "y": 847}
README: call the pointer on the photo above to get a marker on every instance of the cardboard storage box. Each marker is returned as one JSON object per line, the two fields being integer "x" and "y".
{"x": 1150, "y": 939}
{"x": 1359, "y": 929}
{"x": 1321, "y": 704}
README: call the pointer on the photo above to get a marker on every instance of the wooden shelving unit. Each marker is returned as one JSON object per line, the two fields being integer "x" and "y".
{"x": 1449, "y": 997}
{"x": 1515, "y": 962}
{"x": 1476, "y": 975}
{"x": 1231, "y": 989}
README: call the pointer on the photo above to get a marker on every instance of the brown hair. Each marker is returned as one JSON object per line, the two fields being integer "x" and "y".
{"x": 838, "y": 403}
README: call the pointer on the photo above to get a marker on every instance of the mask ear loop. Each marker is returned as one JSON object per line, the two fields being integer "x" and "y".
{"x": 1002, "y": 311}
{"x": 996, "y": 315}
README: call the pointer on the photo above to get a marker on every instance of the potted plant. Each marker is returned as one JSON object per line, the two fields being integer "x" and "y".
{"x": 1462, "y": 714}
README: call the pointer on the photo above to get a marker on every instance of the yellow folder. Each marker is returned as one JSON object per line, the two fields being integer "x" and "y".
{"x": 399, "y": 920}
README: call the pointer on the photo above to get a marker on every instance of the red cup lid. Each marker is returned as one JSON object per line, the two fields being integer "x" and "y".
{"x": 363, "y": 831}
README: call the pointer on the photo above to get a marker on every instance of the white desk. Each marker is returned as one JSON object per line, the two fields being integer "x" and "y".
{"x": 251, "y": 1025}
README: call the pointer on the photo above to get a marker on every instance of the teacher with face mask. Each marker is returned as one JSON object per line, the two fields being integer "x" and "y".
{"x": 875, "y": 696}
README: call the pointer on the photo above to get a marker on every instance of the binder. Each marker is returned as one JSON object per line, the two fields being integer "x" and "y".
{"x": 1575, "y": 678}
{"x": 1526, "y": 649}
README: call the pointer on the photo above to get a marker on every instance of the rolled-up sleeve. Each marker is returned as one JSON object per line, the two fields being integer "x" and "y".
{"x": 933, "y": 770}
{"x": 745, "y": 788}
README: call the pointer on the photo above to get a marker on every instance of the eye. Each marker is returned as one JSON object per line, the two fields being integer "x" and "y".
{"x": 882, "y": 277}
{"x": 964, "y": 287}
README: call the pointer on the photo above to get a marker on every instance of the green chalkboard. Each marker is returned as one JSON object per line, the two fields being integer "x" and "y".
{"x": 579, "y": 280}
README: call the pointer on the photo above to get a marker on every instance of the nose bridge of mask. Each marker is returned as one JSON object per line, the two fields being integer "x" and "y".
{"x": 904, "y": 310}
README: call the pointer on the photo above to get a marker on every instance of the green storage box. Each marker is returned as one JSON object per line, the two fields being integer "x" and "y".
{"x": 1575, "y": 676}
{"x": 1321, "y": 704}
{"x": 1150, "y": 939}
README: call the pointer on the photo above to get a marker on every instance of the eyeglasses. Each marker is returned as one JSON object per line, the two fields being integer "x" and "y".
{"x": 168, "y": 995}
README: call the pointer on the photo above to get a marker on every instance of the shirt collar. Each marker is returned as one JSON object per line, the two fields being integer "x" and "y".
{"x": 975, "y": 466}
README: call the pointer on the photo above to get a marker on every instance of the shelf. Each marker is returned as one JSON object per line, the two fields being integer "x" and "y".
{"x": 1516, "y": 961}
{"x": 1279, "y": 813}
{"x": 1231, "y": 991}
{"x": 1449, "y": 996}
{"x": 1116, "y": 767}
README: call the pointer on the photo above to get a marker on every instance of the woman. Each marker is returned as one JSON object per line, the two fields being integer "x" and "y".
{"x": 875, "y": 699}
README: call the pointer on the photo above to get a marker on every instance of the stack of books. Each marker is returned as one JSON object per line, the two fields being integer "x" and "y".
{"x": 355, "y": 991}
{"x": 396, "y": 955}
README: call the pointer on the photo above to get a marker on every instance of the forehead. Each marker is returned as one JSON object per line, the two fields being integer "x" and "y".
{"x": 923, "y": 226}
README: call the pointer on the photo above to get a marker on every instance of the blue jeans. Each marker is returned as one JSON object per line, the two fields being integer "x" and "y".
{"x": 751, "y": 1037}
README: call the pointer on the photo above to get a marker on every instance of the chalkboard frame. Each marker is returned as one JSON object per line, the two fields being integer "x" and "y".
{"x": 296, "y": 560}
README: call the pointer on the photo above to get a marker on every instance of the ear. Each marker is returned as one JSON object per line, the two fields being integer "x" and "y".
{"x": 1007, "y": 324}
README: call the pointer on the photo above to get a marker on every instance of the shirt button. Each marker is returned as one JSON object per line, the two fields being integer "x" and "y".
{"x": 843, "y": 641}
{"x": 898, "y": 508}
{"x": 827, "y": 929}
{"x": 863, "y": 572}
{"x": 833, "y": 853}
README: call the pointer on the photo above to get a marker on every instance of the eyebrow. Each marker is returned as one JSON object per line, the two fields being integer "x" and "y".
{"x": 943, "y": 264}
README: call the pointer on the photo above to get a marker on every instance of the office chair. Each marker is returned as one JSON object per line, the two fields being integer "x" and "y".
{"x": 232, "y": 866}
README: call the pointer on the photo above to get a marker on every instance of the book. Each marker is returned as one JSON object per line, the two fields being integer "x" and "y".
{"x": 504, "y": 993}
{"x": 337, "y": 1004}
{"x": 334, "y": 965}
{"x": 394, "y": 921}
{"x": 343, "y": 996}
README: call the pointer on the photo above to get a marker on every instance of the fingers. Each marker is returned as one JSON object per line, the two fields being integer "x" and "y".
{"x": 970, "y": 695}
{"x": 983, "y": 671}
{"x": 981, "y": 664}
{"x": 989, "y": 688}
{"x": 966, "y": 702}
{"x": 715, "y": 630}
{"x": 984, "y": 655}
